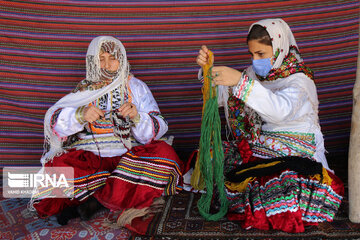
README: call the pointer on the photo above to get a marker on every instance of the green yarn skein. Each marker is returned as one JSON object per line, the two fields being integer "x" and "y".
{"x": 211, "y": 167}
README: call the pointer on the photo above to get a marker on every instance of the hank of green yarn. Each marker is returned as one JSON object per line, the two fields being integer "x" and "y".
{"x": 211, "y": 156}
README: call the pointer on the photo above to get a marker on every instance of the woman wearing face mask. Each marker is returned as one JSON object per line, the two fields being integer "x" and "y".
{"x": 107, "y": 130}
{"x": 276, "y": 173}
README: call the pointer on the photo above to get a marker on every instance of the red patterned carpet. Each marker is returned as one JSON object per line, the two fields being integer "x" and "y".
{"x": 16, "y": 222}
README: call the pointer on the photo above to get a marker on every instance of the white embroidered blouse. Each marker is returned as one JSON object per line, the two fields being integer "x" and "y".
{"x": 150, "y": 126}
{"x": 289, "y": 110}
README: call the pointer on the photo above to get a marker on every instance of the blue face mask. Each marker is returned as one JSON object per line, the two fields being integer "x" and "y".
{"x": 262, "y": 66}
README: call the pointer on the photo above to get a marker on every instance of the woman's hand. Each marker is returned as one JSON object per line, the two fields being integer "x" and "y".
{"x": 203, "y": 56}
{"x": 225, "y": 76}
{"x": 128, "y": 109}
{"x": 221, "y": 75}
{"x": 92, "y": 113}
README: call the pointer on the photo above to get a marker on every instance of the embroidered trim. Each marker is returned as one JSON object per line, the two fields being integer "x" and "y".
{"x": 54, "y": 118}
{"x": 244, "y": 87}
{"x": 299, "y": 192}
{"x": 245, "y": 122}
{"x": 110, "y": 142}
{"x": 290, "y": 65}
{"x": 283, "y": 143}
{"x": 79, "y": 114}
{"x": 156, "y": 123}
{"x": 53, "y": 121}
{"x": 157, "y": 114}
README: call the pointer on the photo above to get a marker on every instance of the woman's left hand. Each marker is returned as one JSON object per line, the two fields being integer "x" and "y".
{"x": 128, "y": 109}
{"x": 225, "y": 76}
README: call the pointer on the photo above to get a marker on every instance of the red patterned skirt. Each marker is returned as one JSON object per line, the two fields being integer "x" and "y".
{"x": 132, "y": 180}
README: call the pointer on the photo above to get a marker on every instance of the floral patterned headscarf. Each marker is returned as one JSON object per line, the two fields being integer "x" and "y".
{"x": 244, "y": 121}
{"x": 286, "y": 55}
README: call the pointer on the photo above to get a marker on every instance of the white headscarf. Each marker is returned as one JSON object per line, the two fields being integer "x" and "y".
{"x": 93, "y": 70}
{"x": 281, "y": 38}
{"x": 53, "y": 144}
{"x": 283, "y": 42}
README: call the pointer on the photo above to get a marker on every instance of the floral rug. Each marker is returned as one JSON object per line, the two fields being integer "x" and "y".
{"x": 17, "y": 223}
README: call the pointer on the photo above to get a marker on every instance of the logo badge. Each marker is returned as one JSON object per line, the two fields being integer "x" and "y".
{"x": 37, "y": 182}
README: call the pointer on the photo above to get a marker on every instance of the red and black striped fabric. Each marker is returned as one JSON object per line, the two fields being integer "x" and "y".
{"x": 43, "y": 46}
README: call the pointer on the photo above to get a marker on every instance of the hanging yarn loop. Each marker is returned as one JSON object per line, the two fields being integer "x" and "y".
{"x": 211, "y": 156}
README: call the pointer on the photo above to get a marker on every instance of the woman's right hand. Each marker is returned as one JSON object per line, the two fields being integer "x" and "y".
{"x": 203, "y": 56}
{"x": 92, "y": 113}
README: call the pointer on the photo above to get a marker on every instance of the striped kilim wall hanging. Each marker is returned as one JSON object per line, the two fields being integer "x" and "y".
{"x": 43, "y": 46}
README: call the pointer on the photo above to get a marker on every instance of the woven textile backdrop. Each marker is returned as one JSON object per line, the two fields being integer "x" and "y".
{"x": 43, "y": 46}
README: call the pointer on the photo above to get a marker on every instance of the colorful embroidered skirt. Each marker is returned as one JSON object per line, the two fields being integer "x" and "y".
{"x": 143, "y": 174}
{"x": 132, "y": 180}
{"x": 282, "y": 193}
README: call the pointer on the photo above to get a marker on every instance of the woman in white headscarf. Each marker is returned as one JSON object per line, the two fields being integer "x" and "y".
{"x": 107, "y": 129}
{"x": 276, "y": 173}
